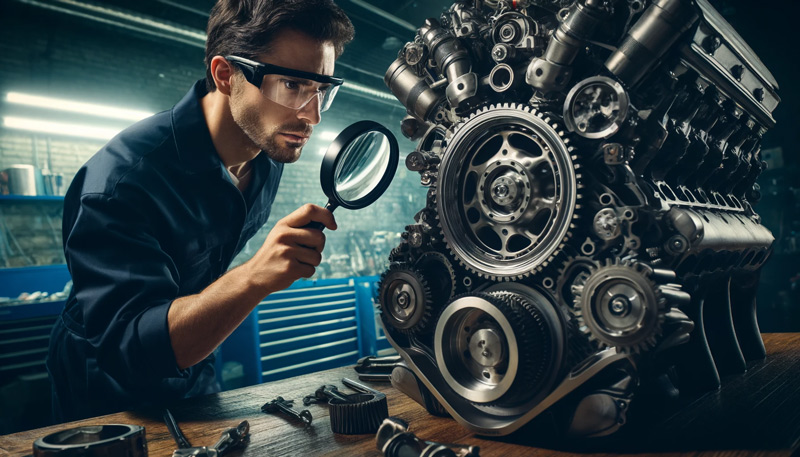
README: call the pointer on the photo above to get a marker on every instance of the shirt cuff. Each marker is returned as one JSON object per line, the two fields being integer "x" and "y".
{"x": 153, "y": 332}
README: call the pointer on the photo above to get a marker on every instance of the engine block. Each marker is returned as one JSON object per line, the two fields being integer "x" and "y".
{"x": 589, "y": 231}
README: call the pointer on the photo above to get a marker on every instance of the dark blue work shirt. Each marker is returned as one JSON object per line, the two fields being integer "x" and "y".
{"x": 152, "y": 217}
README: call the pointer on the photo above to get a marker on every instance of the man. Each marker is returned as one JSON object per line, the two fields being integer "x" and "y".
{"x": 153, "y": 220}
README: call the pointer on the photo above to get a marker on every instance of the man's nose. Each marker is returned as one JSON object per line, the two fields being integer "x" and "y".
{"x": 310, "y": 112}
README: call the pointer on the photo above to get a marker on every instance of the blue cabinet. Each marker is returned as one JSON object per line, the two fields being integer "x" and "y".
{"x": 311, "y": 326}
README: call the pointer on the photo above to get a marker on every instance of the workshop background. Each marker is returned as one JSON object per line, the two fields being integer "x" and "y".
{"x": 142, "y": 56}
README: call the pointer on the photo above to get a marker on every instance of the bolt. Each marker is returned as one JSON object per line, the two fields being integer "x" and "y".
{"x": 737, "y": 71}
{"x": 711, "y": 44}
{"x": 403, "y": 299}
{"x": 501, "y": 190}
{"x": 499, "y": 53}
{"x": 619, "y": 305}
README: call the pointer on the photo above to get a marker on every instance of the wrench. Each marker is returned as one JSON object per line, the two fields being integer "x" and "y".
{"x": 279, "y": 404}
{"x": 230, "y": 439}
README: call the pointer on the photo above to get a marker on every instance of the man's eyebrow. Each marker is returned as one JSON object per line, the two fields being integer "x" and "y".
{"x": 298, "y": 80}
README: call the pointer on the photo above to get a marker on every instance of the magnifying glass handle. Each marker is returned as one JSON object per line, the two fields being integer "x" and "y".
{"x": 330, "y": 206}
{"x": 315, "y": 225}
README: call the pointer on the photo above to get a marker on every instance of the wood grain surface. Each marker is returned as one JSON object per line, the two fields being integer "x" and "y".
{"x": 756, "y": 413}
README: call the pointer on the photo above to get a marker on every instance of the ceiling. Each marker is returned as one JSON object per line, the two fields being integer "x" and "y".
{"x": 382, "y": 26}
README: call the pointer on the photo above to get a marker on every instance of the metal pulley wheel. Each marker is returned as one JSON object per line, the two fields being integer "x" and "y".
{"x": 498, "y": 347}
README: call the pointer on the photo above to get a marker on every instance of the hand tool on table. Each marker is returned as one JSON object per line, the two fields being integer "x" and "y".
{"x": 377, "y": 369}
{"x": 325, "y": 394}
{"x": 279, "y": 404}
{"x": 230, "y": 439}
{"x": 394, "y": 440}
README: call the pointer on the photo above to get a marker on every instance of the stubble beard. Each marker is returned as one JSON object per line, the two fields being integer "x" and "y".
{"x": 266, "y": 139}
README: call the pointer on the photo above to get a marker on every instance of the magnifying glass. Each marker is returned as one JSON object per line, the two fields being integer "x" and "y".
{"x": 358, "y": 167}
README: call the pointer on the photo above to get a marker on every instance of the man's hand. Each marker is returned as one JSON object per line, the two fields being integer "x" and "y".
{"x": 199, "y": 323}
{"x": 290, "y": 251}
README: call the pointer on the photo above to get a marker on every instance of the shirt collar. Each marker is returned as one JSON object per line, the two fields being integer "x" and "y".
{"x": 192, "y": 138}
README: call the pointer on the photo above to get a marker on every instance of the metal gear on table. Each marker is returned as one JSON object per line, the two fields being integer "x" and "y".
{"x": 405, "y": 298}
{"x": 619, "y": 305}
{"x": 507, "y": 192}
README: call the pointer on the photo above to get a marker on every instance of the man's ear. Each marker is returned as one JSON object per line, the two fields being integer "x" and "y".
{"x": 222, "y": 72}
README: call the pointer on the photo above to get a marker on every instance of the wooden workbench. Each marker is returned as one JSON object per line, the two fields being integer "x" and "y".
{"x": 757, "y": 413}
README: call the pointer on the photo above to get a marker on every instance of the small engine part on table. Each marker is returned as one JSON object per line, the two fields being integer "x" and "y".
{"x": 352, "y": 414}
{"x": 281, "y": 405}
{"x": 394, "y": 440}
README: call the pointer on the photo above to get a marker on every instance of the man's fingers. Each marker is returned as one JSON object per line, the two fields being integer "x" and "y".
{"x": 308, "y": 256}
{"x": 307, "y": 238}
{"x": 304, "y": 270}
{"x": 311, "y": 213}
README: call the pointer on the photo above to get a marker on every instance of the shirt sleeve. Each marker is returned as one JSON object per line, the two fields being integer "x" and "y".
{"x": 125, "y": 284}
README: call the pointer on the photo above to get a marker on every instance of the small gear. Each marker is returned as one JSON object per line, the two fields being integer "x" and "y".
{"x": 438, "y": 270}
{"x": 405, "y": 299}
{"x": 399, "y": 253}
{"x": 508, "y": 192}
{"x": 573, "y": 269}
{"x": 619, "y": 305}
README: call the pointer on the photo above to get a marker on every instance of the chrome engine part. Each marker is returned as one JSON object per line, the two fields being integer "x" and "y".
{"x": 589, "y": 232}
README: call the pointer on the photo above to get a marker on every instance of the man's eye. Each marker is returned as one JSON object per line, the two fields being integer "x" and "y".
{"x": 290, "y": 84}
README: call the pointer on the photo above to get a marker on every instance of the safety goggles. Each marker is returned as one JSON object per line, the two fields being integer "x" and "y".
{"x": 286, "y": 86}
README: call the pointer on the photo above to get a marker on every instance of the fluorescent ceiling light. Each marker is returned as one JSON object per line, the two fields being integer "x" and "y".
{"x": 59, "y": 128}
{"x": 72, "y": 106}
{"x": 327, "y": 135}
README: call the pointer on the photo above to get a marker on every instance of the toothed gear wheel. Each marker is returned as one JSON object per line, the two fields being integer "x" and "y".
{"x": 619, "y": 305}
{"x": 405, "y": 299}
{"x": 507, "y": 192}
{"x": 573, "y": 269}
{"x": 442, "y": 278}
{"x": 494, "y": 348}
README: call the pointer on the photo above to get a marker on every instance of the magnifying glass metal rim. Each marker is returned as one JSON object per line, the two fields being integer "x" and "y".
{"x": 334, "y": 154}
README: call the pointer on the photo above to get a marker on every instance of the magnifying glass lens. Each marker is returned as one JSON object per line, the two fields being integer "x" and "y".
{"x": 362, "y": 166}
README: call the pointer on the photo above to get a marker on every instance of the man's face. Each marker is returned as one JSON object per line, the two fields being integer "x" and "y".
{"x": 280, "y": 131}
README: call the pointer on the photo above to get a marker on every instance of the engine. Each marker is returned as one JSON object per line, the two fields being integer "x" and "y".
{"x": 589, "y": 233}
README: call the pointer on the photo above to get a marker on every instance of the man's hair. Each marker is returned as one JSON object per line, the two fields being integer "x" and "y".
{"x": 246, "y": 28}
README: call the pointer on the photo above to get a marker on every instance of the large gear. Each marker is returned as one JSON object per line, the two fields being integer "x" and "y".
{"x": 619, "y": 305}
{"x": 507, "y": 192}
{"x": 405, "y": 299}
